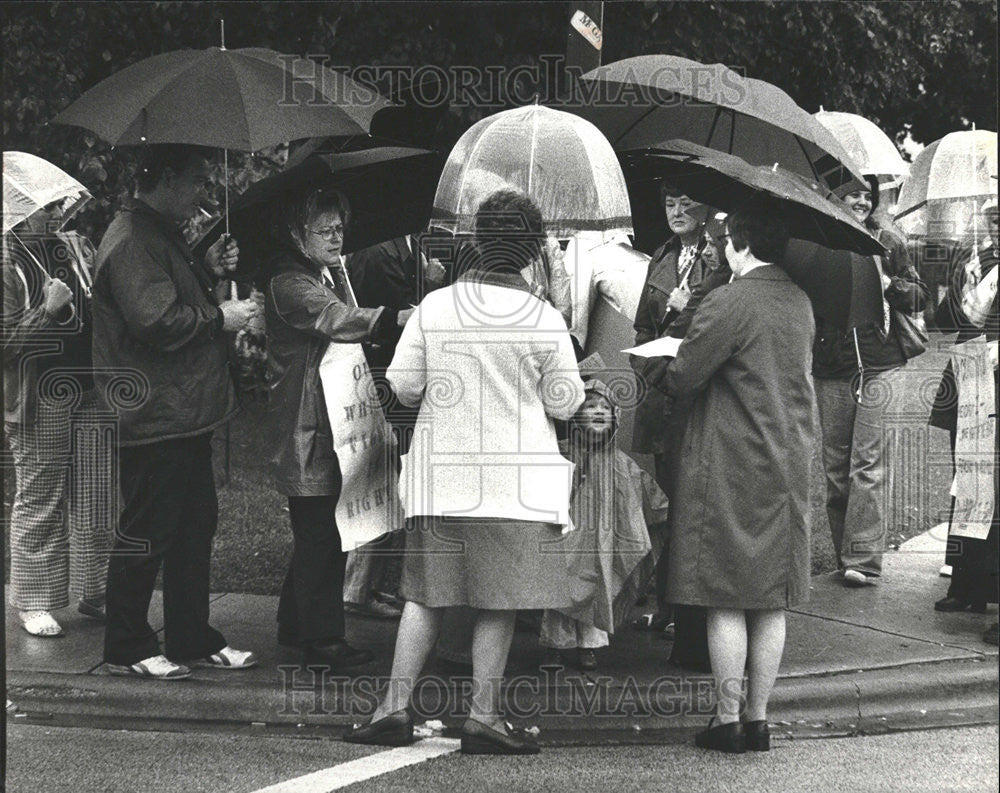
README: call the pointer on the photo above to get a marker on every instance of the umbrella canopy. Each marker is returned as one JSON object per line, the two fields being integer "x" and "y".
{"x": 640, "y": 101}
{"x": 949, "y": 181}
{"x": 30, "y": 183}
{"x": 560, "y": 160}
{"x": 244, "y": 99}
{"x": 867, "y": 145}
{"x": 724, "y": 181}
{"x": 389, "y": 191}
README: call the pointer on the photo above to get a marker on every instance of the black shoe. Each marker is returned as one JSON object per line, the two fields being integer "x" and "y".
{"x": 586, "y": 660}
{"x": 957, "y": 604}
{"x": 477, "y": 738}
{"x": 336, "y": 656}
{"x": 758, "y": 736}
{"x": 724, "y": 737}
{"x": 396, "y": 729}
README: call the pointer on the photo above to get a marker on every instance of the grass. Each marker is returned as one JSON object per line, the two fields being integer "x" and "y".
{"x": 254, "y": 540}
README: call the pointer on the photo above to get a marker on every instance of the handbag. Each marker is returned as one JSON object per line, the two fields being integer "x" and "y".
{"x": 910, "y": 330}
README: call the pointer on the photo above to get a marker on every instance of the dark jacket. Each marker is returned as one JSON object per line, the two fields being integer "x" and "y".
{"x": 303, "y": 314}
{"x": 654, "y": 320}
{"x": 741, "y": 511}
{"x": 160, "y": 354}
{"x": 835, "y": 355}
{"x": 35, "y": 343}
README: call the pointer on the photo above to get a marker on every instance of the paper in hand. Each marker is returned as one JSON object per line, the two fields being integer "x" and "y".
{"x": 658, "y": 348}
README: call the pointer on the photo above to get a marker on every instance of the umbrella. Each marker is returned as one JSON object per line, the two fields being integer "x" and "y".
{"x": 867, "y": 145}
{"x": 640, "y": 101}
{"x": 389, "y": 190}
{"x": 949, "y": 181}
{"x": 724, "y": 181}
{"x": 244, "y": 99}
{"x": 30, "y": 183}
{"x": 560, "y": 160}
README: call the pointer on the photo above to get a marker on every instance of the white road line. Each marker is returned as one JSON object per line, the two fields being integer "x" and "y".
{"x": 363, "y": 768}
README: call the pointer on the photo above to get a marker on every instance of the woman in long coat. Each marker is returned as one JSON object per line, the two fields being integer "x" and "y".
{"x": 740, "y": 540}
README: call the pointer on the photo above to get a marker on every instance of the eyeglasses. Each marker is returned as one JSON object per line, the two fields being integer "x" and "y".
{"x": 329, "y": 233}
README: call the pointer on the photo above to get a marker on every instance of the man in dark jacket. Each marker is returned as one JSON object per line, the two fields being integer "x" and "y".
{"x": 161, "y": 361}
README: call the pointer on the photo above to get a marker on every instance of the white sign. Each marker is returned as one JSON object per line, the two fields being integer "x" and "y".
{"x": 369, "y": 498}
{"x": 975, "y": 440}
{"x": 587, "y": 28}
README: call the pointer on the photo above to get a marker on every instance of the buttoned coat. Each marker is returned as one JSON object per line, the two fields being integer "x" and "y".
{"x": 740, "y": 535}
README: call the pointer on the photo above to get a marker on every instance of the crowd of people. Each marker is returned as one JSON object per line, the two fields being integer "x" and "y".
{"x": 528, "y": 488}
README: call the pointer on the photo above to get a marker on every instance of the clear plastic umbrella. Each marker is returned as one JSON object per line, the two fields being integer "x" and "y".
{"x": 868, "y": 146}
{"x": 562, "y": 161}
{"x": 30, "y": 183}
{"x": 948, "y": 183}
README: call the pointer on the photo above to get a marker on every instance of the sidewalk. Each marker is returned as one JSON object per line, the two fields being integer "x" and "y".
{"x": 856, "y": 660}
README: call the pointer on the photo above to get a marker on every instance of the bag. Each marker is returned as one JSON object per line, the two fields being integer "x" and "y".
{"x": 910, "y": 330}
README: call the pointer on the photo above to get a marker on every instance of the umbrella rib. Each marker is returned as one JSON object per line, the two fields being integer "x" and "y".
{"x": 812, "y": 165}
{"x": 635, "y": 123}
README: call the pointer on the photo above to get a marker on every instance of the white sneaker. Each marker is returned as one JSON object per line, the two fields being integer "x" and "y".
{"x": 855, "y": 578}
{"x": 228, "y": 658}
{"x": 157, "y": 667}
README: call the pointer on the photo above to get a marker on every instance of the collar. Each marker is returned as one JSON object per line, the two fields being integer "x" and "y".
{"x": 170, "y": 229}
{"x": 493, "y": 278}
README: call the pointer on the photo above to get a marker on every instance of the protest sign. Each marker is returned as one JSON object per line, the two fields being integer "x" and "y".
{"x": 975, "y": 440}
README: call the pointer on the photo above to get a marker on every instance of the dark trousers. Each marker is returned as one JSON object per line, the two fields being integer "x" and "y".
{"x": 311, "y": 607}
{"x": 169, "y": 518}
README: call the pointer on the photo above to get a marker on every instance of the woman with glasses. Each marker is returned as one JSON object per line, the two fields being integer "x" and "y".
{"x": 308, "y": 305}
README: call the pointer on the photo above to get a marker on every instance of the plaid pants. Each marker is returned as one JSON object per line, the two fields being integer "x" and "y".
{"x": 63, "y": 517}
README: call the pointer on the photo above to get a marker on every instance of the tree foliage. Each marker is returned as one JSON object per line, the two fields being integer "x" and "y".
{"x": 931, "y": 65}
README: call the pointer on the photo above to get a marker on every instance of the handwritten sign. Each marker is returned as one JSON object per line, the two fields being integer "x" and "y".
{"x": 369, "y": 503}
{"x": 975, "y": 441}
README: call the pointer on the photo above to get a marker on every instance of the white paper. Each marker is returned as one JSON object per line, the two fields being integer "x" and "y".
{"x": 658, "y": 348}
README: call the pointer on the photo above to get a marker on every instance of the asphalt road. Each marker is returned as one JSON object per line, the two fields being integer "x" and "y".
{"x": 78, "y": 760}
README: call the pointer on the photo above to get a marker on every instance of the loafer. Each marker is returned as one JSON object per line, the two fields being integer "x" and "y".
{"x": 586, "y": 660}
{"x": 957, "y": 604}
{"x": 477, "y": 738}
{"x": 396, "y": 729}
{"x": 758, "y": 736}
{"x": 336, "y": 656}
{"x": 730, "y": 738}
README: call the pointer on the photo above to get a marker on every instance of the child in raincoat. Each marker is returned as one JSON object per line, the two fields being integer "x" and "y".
{"x": 613, "y": 552}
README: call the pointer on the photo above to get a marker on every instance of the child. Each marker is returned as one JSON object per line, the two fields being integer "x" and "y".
{"x": 612, "y": 503}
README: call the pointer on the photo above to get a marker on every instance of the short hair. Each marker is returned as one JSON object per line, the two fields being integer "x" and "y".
{"x": 509, "y": 231}
{"x": 670, "y": 190}
{"x": 760, "y": 227}
{"x": 294, "y": 214}
{"x": 157, "y": 158}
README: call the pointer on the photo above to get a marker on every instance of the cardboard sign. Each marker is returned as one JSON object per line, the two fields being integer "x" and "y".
{"x": 587, "y": 28}
{"x": 975, "y": 441}
{"x": 369, "y": 503}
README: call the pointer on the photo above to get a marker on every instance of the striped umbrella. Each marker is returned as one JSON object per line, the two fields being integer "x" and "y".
{"x": 948, "y": 182}
{"x": 563, "y": 162}
{"x": 869, "y": 146}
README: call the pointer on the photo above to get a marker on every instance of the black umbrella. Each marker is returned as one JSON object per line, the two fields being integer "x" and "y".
{"x": 724, "y": 181}
{"x": 390, "y": 191}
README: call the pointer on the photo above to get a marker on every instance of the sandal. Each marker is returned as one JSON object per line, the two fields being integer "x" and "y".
{"x": 228, "y": 658}
{"x": 41, "y": 623}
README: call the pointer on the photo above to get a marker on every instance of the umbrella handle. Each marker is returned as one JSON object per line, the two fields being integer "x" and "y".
{"x": 233, "y": 292}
